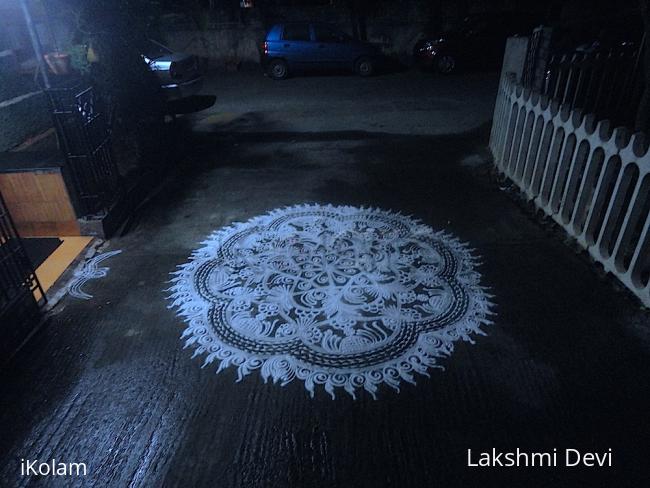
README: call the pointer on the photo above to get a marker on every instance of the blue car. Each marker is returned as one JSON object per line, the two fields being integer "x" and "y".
{"x": 293, "y": 47}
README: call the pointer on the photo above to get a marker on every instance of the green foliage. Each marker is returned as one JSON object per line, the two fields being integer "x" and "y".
{"x": 79, "y": 58}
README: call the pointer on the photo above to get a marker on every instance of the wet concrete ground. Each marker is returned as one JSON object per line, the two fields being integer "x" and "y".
{"x": 566, "y": 365}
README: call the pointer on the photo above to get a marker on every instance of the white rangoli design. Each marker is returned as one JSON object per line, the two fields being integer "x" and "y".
{"x": 89, "y": 271}
{"x": 335, "y": 296}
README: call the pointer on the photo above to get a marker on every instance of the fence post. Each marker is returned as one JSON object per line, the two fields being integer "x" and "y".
{"x": 514, "y": 58}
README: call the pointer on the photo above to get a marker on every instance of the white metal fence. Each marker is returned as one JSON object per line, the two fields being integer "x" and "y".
{"x": 592, "y": 181}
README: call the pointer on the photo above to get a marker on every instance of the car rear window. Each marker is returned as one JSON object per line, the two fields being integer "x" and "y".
{"x": 326, "y": 34}
{"x": 296, "y": 32}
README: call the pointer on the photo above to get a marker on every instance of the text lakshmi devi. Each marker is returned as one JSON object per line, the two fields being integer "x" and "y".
{"x": 518, "y": 458}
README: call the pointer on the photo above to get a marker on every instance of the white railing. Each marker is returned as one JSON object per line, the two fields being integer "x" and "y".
{"x": 592, "y": 181}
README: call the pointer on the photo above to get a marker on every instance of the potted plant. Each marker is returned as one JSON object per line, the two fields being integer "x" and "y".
{"x": 59, "y": 63}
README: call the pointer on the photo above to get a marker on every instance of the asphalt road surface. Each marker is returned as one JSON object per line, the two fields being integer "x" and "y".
{"x": 566, "y": 364}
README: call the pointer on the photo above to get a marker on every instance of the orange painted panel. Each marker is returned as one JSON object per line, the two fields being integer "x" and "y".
{"x": 39, "y": 203}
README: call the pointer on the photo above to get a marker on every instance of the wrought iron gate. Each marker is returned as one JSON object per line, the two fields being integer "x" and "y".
{"x": 83, "y": 128}
{"x": 19, "y": 307}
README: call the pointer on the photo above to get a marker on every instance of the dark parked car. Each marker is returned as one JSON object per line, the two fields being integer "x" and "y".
{"x": 179, "y": 74}
{"x": 296, "y": 47}
{"x": 478, "y": 42}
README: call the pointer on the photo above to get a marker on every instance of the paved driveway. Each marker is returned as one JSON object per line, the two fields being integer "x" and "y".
{"x": 565, "y": 365}
{"x": 403, "y": 103}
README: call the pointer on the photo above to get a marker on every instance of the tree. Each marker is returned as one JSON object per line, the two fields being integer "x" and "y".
{"x": 642, "y": 122}
{"x": 116, "y": 30}
{"x": 359, "y": 10}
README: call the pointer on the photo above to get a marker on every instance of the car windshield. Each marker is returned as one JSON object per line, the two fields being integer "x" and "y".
{"x": 473, "y": 25}
{"x": 155, "y": 50}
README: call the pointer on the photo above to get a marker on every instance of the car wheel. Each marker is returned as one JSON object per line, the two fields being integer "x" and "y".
{"x": 278, "y": 69}
{"x": 364, "y": 67}
{"x": 446, "y": 64}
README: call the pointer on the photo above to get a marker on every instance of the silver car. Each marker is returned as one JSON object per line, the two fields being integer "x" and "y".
{"x": 179, "y": 73}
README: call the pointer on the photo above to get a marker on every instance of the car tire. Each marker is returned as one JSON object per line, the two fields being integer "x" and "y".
{"x": 278, "y": 69}
{"x": 446, "y": 64}
{"x": 364, "y": 67}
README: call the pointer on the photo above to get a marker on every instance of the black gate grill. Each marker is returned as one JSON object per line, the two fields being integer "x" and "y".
{"x": 19, "y": 308}
{"x": 607, "y": 84}
{"x": 84, "y": 135}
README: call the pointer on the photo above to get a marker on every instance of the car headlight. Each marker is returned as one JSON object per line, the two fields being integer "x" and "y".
{"x": 173, "y": 71}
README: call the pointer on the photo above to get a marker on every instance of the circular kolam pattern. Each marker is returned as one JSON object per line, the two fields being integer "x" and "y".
{"x": 343, "y": 297}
